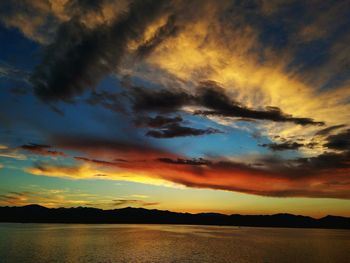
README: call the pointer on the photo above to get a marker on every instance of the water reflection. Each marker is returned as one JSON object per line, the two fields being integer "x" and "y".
{"x": 36, "y": 243}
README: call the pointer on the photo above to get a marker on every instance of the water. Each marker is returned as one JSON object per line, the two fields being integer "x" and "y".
{"x": 37, "y": 243}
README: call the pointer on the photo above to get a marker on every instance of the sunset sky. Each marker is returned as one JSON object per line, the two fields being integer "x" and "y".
{"x": 193, "y": 106}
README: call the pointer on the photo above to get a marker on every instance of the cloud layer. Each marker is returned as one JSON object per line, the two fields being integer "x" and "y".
{"x": 244, "y": 96}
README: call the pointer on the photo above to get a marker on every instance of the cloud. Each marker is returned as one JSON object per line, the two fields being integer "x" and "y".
{"x": 160, "y": 100}
{"x": 13, "y": 153}
{"x": 9, "y": 72}
{"x": 79, "y": 7}
{"x": 283, "y": 146}
{"x": 328, "y": 130}
{"x": 90, "y": 170}
{"x": 340, "y": 141}
{"x": 108, "y": 100}
{"x": 170, "y": 127}
{"x": 194, "y": 161}
{"x": 38, "y": 20}
{"x": 157, "y": 121}
{"x": 51, "y": 197}
{"x": 175, "y": 130}
{"x": 13, "y": 198}
{"x": 167, "y": 30}
{"x": 139, "y": 196}
{"x": 256, "y": 54}
{"x": 31, "y": 17}
{"x": 120, "y": 150}
{"x": 321, "y": 176}
{"x": 310, "y": 177}
{"x": 251, "y": 66}
{"x": 234, "y": 44}
{"x": 210, "y": 96}
{"x": 330, "y": 162}
{"x": 41, "y": 149}
{"x": 80, "y": 57}
{"x": 115, "y": 163}
{"x": 213, "y": 97}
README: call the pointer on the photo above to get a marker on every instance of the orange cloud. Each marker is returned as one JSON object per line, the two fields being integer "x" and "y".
{"x": 278, "y": 181}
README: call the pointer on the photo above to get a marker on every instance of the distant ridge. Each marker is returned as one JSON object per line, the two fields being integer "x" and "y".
{"x": 129, "y": 215}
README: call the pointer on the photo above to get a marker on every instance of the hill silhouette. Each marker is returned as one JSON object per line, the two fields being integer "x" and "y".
{"x": 129, "y": 215}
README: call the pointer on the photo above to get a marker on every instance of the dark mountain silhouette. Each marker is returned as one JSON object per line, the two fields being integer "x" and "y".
{"x": 40, "y": 214}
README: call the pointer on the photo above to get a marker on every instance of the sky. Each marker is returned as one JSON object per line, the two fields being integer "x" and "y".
{"x": 190, "y": 106}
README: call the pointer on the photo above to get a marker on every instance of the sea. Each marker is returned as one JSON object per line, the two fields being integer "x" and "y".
{"x": 75, "y": 243}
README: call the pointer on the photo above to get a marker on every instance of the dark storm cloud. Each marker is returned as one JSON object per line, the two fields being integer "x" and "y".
{"x": 211, "y": 96}
{"x": 176, "y": 130}
{"x": 157, "y": 121}
{"x": 283, "y": 146}
{"x": 328, "y": 130}
{"x": 161, "y": 100}
{"x": 170, "y": 127}
{"x": 78, "y": 7}
{"x": 80, "y": 57}
{"x": 340, "y": 141}
{"x": 42, "y": 149}
{"x": 324, "y": 161}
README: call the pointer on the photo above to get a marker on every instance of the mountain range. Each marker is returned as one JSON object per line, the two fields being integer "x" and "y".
{"x": 129, "y": 215}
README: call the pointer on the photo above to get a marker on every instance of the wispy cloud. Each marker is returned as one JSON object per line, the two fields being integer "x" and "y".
{"x": 13, "y": 153}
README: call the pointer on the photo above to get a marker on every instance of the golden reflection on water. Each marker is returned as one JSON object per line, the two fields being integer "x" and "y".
{"x": 39, "y": 243}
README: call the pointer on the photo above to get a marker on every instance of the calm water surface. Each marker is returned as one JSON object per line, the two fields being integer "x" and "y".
{"x": 36, "y": 243}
